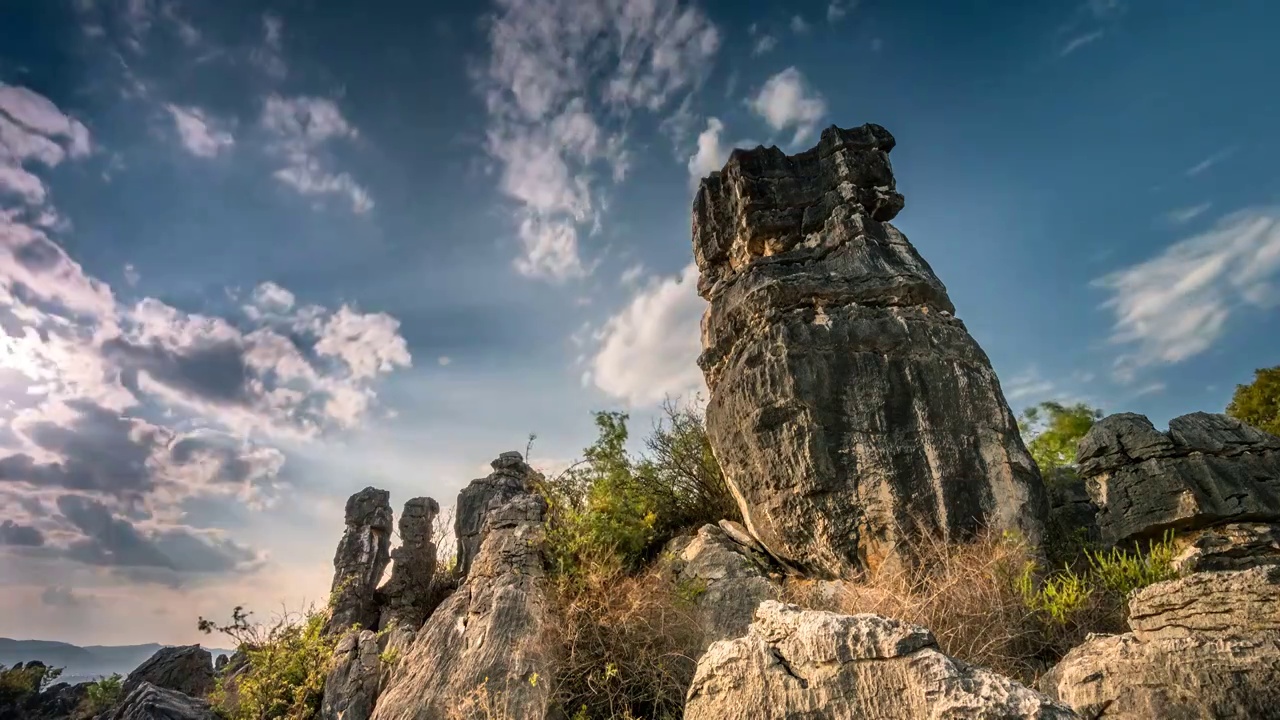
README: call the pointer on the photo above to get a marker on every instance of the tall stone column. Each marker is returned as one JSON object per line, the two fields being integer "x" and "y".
{"x": 361, "y": 558}
{"x": 849, "y": 407}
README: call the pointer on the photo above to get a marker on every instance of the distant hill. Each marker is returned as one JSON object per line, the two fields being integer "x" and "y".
{"x": 81, "y": 663}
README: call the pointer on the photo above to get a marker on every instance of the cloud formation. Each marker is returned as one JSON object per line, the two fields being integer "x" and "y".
{"x": 1177, "y": 304}
{"x": 301, "y": 129}
{"x": 560, "y": 75}
{"x": 198, "y": 132}
{"x": 786, "y": 102}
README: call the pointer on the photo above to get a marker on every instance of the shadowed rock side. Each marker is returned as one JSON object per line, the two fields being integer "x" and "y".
{"x": 509, "y": 478}
{"x": 148, "y": 702}
{"x": 407, "y": 594}
{"x": 484, "y": 640}
{"x": 849, "y": 407}
{"x": 1203, "y": 646}
{"x": 351, "y": 687}
{"x": 187, "y": 669}
{"x": 362, "y": 556}
{"x": 797, "y": 663}
{"x": 1206, "y": 470}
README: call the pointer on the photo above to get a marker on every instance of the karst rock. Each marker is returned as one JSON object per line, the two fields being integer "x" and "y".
{"x": 361, "y": 558}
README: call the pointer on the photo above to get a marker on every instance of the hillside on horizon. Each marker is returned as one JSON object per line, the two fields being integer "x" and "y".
{"x": 82, "y": 663}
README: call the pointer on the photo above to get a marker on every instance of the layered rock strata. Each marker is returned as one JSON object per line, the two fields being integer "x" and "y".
{"x": 849, "y": 407}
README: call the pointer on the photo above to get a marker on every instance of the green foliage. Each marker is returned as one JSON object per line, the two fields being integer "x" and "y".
{"x": 1060, "y": 598}
{"x": 1120, "y": 573}
{"x": 1258, "y": 403}
{"x": 613, "y": 509}
{"x": 1053, "y": 431}
{"x": 104, "y": 693}
{"x": 288, "y": 660}
{"x": 19, "y": 683}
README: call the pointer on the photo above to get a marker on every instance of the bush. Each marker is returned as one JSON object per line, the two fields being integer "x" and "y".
{"x": 288, "y": 660}
{"x": 19, "y": 683}
{"x": 626, "y": 645}
{"x": 613, "y": 504}
{"x": 104, "y": 693}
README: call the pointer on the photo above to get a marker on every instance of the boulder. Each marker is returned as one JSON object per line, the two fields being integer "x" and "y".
{"x": 187, "y": 669}
{"x": 1203, "y": 646}
{"x": 361, "y": 558}
{"x": 726, "y": 580}
{"x": 1206, "y": 470}
{"x": 351, "y": 688}
{"x": 1073, "y": 518}
{"x": 849, "y": 408}
{"x": 1234, "y": 546}
{"x": 484, "y": 642}
{"x": 796, "y": 663}
{"x": 408, "y": 593}
{"x": 149, "y": 702}
{"x": 508, "y": 479}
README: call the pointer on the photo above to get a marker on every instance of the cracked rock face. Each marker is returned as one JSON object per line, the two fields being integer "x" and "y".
{"x": 486, "y": 636}
{"x": 148, "y": 702}
{"x": 1206, "y": 470}
{"x": 408, "y": 593}
{"x": 361, "y": 558}
{"x": 187, "y": 669}
{"x": 727, "y": 577}
{"x": 797, "y": 663}
{"x": 1203, "y": 646}
{"x": 849, "y": 407}
{"x": 1234, "y": 546}
{"x": 351, "y": 687}
{"x": 510, "y": 477}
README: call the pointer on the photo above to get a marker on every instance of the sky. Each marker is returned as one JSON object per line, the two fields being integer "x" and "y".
{"x": 256, "y": 256}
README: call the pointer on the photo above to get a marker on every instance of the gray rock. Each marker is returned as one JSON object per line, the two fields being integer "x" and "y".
{"x": 486, "y": 637}
{"x": 726, "y": 580}
{"x": 187, "y": 669}
{"x": 510, "y": 477}
{"x": 351, "y": 687}
{"x": 408, "y": 593}
{"x": 796, "y": 664}
{"x": 1234, "y": 546}
{"x": 849, "y": 407}
{"x": 1073, "y": 518}
{"x": 1203, "y": 646}
{"x": 362, "y": 556}
{"x": 1206, "y": 470}
{"x": 220, "y": 662}
{"x": 148, "y": 702}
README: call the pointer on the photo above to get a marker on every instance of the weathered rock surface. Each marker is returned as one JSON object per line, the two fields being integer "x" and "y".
{"x": 1073, "y": 518}
{"x": 795, "y": 664}
{"x": 351, "y": 688}
{"x": 849, "y": 407}
{"x": 187, "y": 669}
{"x": 486, "y": 636}
{"x": 408, "y": 593}
{"x": 1234, "y": 546}
{"x": 509, "y": 478}
{"x": 1203, "y": 646}
{"x": 362, "y": 556}
{"x": 1206, "y": 470}
{"x": 148, "y": 702}
{"x": 727, "y": 580}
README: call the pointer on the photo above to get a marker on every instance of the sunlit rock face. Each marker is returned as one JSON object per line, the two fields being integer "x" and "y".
{"x": 361, "y": 558}
{"x": 849, "y": 408}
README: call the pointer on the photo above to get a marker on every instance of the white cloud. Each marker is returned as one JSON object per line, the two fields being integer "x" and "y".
{"x": 798, "y": 25}
{"x": 837, "y": 10}
{"x": 1210, "y": 161}
{"x": 764, "y": 44}
{"x": 33, "y": 131}
{"x": 444, "y": 360}
{"x": 711, "y": 153}
{"x": 1079, "y": 41}
{"x": 131, "y": 275}
{"x": 649, "y": 350}
{"x": 560, "y": 74}
{"x": 197, "y": 132}
{"x": 269, "y": 56}
{"x": 1182, "y": 216}
{"x": 786, "y": 101}
{"x": 1176, "y": 305}
{"x": 301, "y": 128}
{"x": 631, "y": 274}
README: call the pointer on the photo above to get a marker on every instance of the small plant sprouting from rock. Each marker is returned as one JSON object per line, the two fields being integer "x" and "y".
{"x": 104, "y": 693}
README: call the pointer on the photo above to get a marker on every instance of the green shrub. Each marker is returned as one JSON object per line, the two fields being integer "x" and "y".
{"x": 288, "y": 660}
{"x": 19, "y": 683}
{"x": 104, "y": 693}
{"x": 613, "y": 508}
{"x": 1120, "y": 572}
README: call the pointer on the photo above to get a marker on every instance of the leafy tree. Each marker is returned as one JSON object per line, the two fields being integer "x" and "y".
{"x": 104, "y": 693}
{"x": 1053, "y": 430}
{"x": 1258, "y": 403}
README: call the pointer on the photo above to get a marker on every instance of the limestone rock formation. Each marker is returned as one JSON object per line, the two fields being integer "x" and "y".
{"x": 1234, "y": 546}
{"x": 148, "y": 702}
{"x": 362, "y": 556}
{"x": 1206, "y": 470}
{"x": 797, "y": 663}
{"x": 407, "y": 594}
{"x": 1073, "y": 518}
{"x": 1203, "y": 646}
{"x": 726, "y": 578}
{"x": 484, "y": 640}
{"x": 849, "y": 407}
{"x": 187, "y": 669}
{"x": 351, "y": 688}
{"x": 509, "y": 478}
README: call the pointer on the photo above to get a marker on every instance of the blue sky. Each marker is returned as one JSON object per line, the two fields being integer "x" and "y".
{"x": 256, "y": 256}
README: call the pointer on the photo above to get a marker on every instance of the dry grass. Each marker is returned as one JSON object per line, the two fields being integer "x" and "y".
{"x": 627, "y": 645}
{"x": 974, "y": 598}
